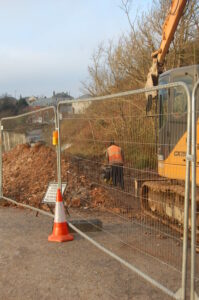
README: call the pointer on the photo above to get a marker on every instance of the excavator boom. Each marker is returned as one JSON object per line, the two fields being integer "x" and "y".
{"x": 169, "y": 29}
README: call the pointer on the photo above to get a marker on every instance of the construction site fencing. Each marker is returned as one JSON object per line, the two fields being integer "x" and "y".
{"x": 144, "y": 204}
{"x": 28, "y": 159}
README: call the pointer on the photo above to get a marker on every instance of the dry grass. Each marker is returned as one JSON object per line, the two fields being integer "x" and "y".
{"x": 123, "y": 120}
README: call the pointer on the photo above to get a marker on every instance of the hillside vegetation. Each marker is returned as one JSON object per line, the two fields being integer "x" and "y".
{"x": 9, "y": 106}
{"x": 123, "y": 120}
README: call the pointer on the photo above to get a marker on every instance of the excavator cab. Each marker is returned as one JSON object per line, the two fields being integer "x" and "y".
{"x": 172, "y": 105}
{"x": 168, "y": 190}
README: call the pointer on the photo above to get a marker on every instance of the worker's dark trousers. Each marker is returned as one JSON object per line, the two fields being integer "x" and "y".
{"x": 117, "y": 175}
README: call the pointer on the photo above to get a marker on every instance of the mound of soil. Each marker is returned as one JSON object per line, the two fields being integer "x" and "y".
{"x": 28, "y": 170}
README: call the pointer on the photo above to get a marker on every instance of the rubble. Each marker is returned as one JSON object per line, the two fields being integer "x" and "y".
{"x": 28, "y": 170}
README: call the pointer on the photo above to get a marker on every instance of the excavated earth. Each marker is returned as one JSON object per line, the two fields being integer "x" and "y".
{"x": 28, "y": 170}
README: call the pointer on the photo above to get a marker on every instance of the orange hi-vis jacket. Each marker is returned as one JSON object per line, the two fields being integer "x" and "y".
{"x": 114, "y": 155}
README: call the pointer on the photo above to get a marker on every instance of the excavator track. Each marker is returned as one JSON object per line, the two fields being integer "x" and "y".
{"x": 164, "y": 201}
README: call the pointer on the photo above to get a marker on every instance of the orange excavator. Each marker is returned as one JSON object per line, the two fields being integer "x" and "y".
{"x": 165, "y": 197}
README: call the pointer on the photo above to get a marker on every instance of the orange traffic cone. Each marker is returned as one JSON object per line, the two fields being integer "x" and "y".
{"x": 60, "y": 228}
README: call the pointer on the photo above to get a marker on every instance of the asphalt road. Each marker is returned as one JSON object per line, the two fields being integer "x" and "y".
{"x": 33, "y": 268}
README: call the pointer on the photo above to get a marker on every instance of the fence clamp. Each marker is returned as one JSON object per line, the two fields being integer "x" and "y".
{"x": 190, "y": 158}
{"x": 55, "y": 138}
{"x": 1, "y": 127}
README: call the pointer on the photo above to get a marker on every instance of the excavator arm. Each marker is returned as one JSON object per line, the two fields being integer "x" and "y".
{"x": 169, "y": 29}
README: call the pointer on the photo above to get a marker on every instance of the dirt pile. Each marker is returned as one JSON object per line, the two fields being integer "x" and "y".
{"x": 82, "y": 191}
{"x": 28, "y": 170}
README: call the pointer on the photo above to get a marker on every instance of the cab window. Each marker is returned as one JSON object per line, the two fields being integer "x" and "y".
{"x": 163, "y": 101}
{"x": 179, "y": 103}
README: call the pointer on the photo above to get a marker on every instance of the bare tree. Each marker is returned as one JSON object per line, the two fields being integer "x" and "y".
{"x": 124, "y": 65}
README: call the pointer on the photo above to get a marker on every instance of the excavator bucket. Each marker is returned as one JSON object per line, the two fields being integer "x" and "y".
{"x": 152, "y": 79}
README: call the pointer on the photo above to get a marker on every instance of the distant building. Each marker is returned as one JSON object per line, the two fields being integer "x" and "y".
{"x": 31, "y": 100}
{"x": 85, "y": 96}
{"x": 62, "y": 96}
{"x": 51, "y": 101}
{"x": 77, "y": 107}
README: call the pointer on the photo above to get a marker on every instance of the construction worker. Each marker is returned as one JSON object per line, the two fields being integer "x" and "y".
{"x": 115, "y": 158}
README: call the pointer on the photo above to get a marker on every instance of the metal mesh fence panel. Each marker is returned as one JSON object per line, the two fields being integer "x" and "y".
{"x": 28, "y": 157}
{"x": 141, "y": 203}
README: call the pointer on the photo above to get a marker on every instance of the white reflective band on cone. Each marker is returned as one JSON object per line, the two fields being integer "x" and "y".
{"x": 60, "y": 216}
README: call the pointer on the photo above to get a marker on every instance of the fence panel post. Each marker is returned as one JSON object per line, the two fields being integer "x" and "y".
{"x": 193, "y": 194}
{"x": 1, "y": 163}
{"x": 57, "y": 125}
